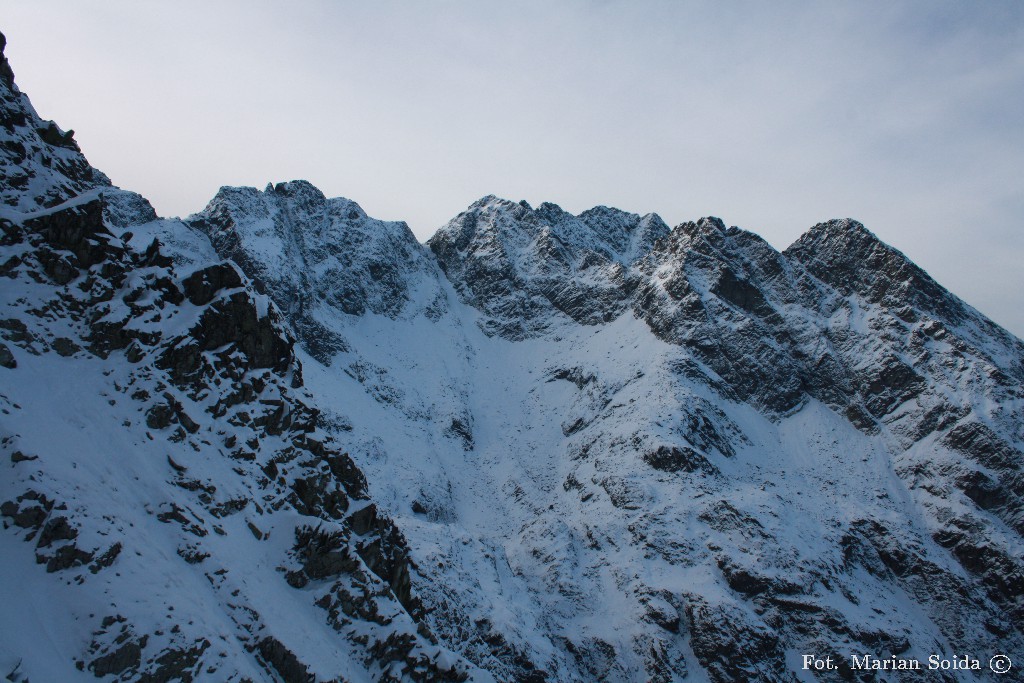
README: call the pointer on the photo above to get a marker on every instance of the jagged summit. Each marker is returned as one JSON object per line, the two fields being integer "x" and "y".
{"x": 842, "y": 238}
{"x": 615, "y": 234}
{"x": 853, "y": 260}
{"x": 320, "y": 257}
{"x": 304, "y": 193}
{"x": 527, "y": 268}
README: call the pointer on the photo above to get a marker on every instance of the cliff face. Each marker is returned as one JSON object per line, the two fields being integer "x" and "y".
{"x": 320, "y": 257}
{"x": 281, "y": 440}
{"x": 527, "y": 269}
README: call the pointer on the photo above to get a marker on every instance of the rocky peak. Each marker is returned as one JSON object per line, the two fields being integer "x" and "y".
{"x": 706, "y": 224}
{"x": 528, "y": 268}
{"x": 319, "y": 258}
{"x": 850, "y": 259}
{"x": 42, "y": 165}
{"x": 613, "y": 233}
{"x": 628, "y": 235}
{"x": 707, "y": 233}
{"x": 6, "y": 74}
{"x": 299, "y": 190}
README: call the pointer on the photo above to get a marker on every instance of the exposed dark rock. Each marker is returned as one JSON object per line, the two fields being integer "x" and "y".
{"x": 889, "y": 384}
{"x": 65, "y": 347}
{"x": 6, "y": 75}
{"x": 678, "y": 459}
{"x": 56, "y": 529}
{"x": 78, "y": 229}
{"x": 7, "y": 359}
{"x": 984, "y": 446}
{"x": 52, "y": 135}
{"x": 177, "y": 664}
{"x": 742, "y": 294}
{"x": 731, "y": 649}
{"x": 66, "y": 557}
{"x": 29, "y": 517}
{"x": 284, "y": 662}
{"x": 127, "y": 656}
{"x": 159, "y": 416}
{"x": 202, "y": 285}
{"x": 318, "y": 493}
{"x": 192, "y": 555}
{"x": 461, "y": 430}
{"x": 364, "y": 520}
{"x": 741, "y": 579}
{"x": 323, "y": 553}
{"x": 107, "y": 558}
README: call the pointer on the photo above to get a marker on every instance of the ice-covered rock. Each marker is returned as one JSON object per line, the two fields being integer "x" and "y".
{"x": 319, "y": 258}
{"x": 526, "y": 269}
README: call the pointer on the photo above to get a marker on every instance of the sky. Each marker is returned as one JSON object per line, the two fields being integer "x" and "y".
{"x": 773, "y": 116}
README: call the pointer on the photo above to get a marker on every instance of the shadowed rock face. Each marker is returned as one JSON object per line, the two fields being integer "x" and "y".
{"x": 527, "y": 268}
{"x": 774, "y": 326}
{"x": 317, "y": 257}
{"x": 664, "y": 455}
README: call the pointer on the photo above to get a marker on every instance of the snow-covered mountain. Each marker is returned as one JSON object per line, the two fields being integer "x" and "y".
{"x": 282, "y": 440}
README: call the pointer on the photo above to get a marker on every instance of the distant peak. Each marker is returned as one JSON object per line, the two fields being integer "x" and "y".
{"x": 838, "y": 233}
{"x": 712, "y": 222}
{"x": 297, "y": 188}
{"x": 839, "y": 226}
{"x": 549, "y": 207}
{"x": 494, "y": 207}
{"x": 654, "y": 219}
{"x": 707, "y": 227}
{"x": 493, "y": 201}
{"x": 602, "y": 211}
{"x": 294, "y": 193}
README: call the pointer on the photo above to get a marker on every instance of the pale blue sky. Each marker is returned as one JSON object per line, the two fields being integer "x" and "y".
{"x": 773, "y": 116}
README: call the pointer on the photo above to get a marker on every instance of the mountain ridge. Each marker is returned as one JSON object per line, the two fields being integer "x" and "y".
{"x": 281, "y": 440}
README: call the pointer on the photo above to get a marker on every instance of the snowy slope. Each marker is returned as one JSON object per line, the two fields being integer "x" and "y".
{"x": 172, "y": 508}
{"x": 281, "y": 440}
{"x": 745, "y": 457}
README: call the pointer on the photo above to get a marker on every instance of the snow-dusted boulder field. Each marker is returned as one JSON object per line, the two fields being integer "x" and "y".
{"x": 280, "y": 440}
